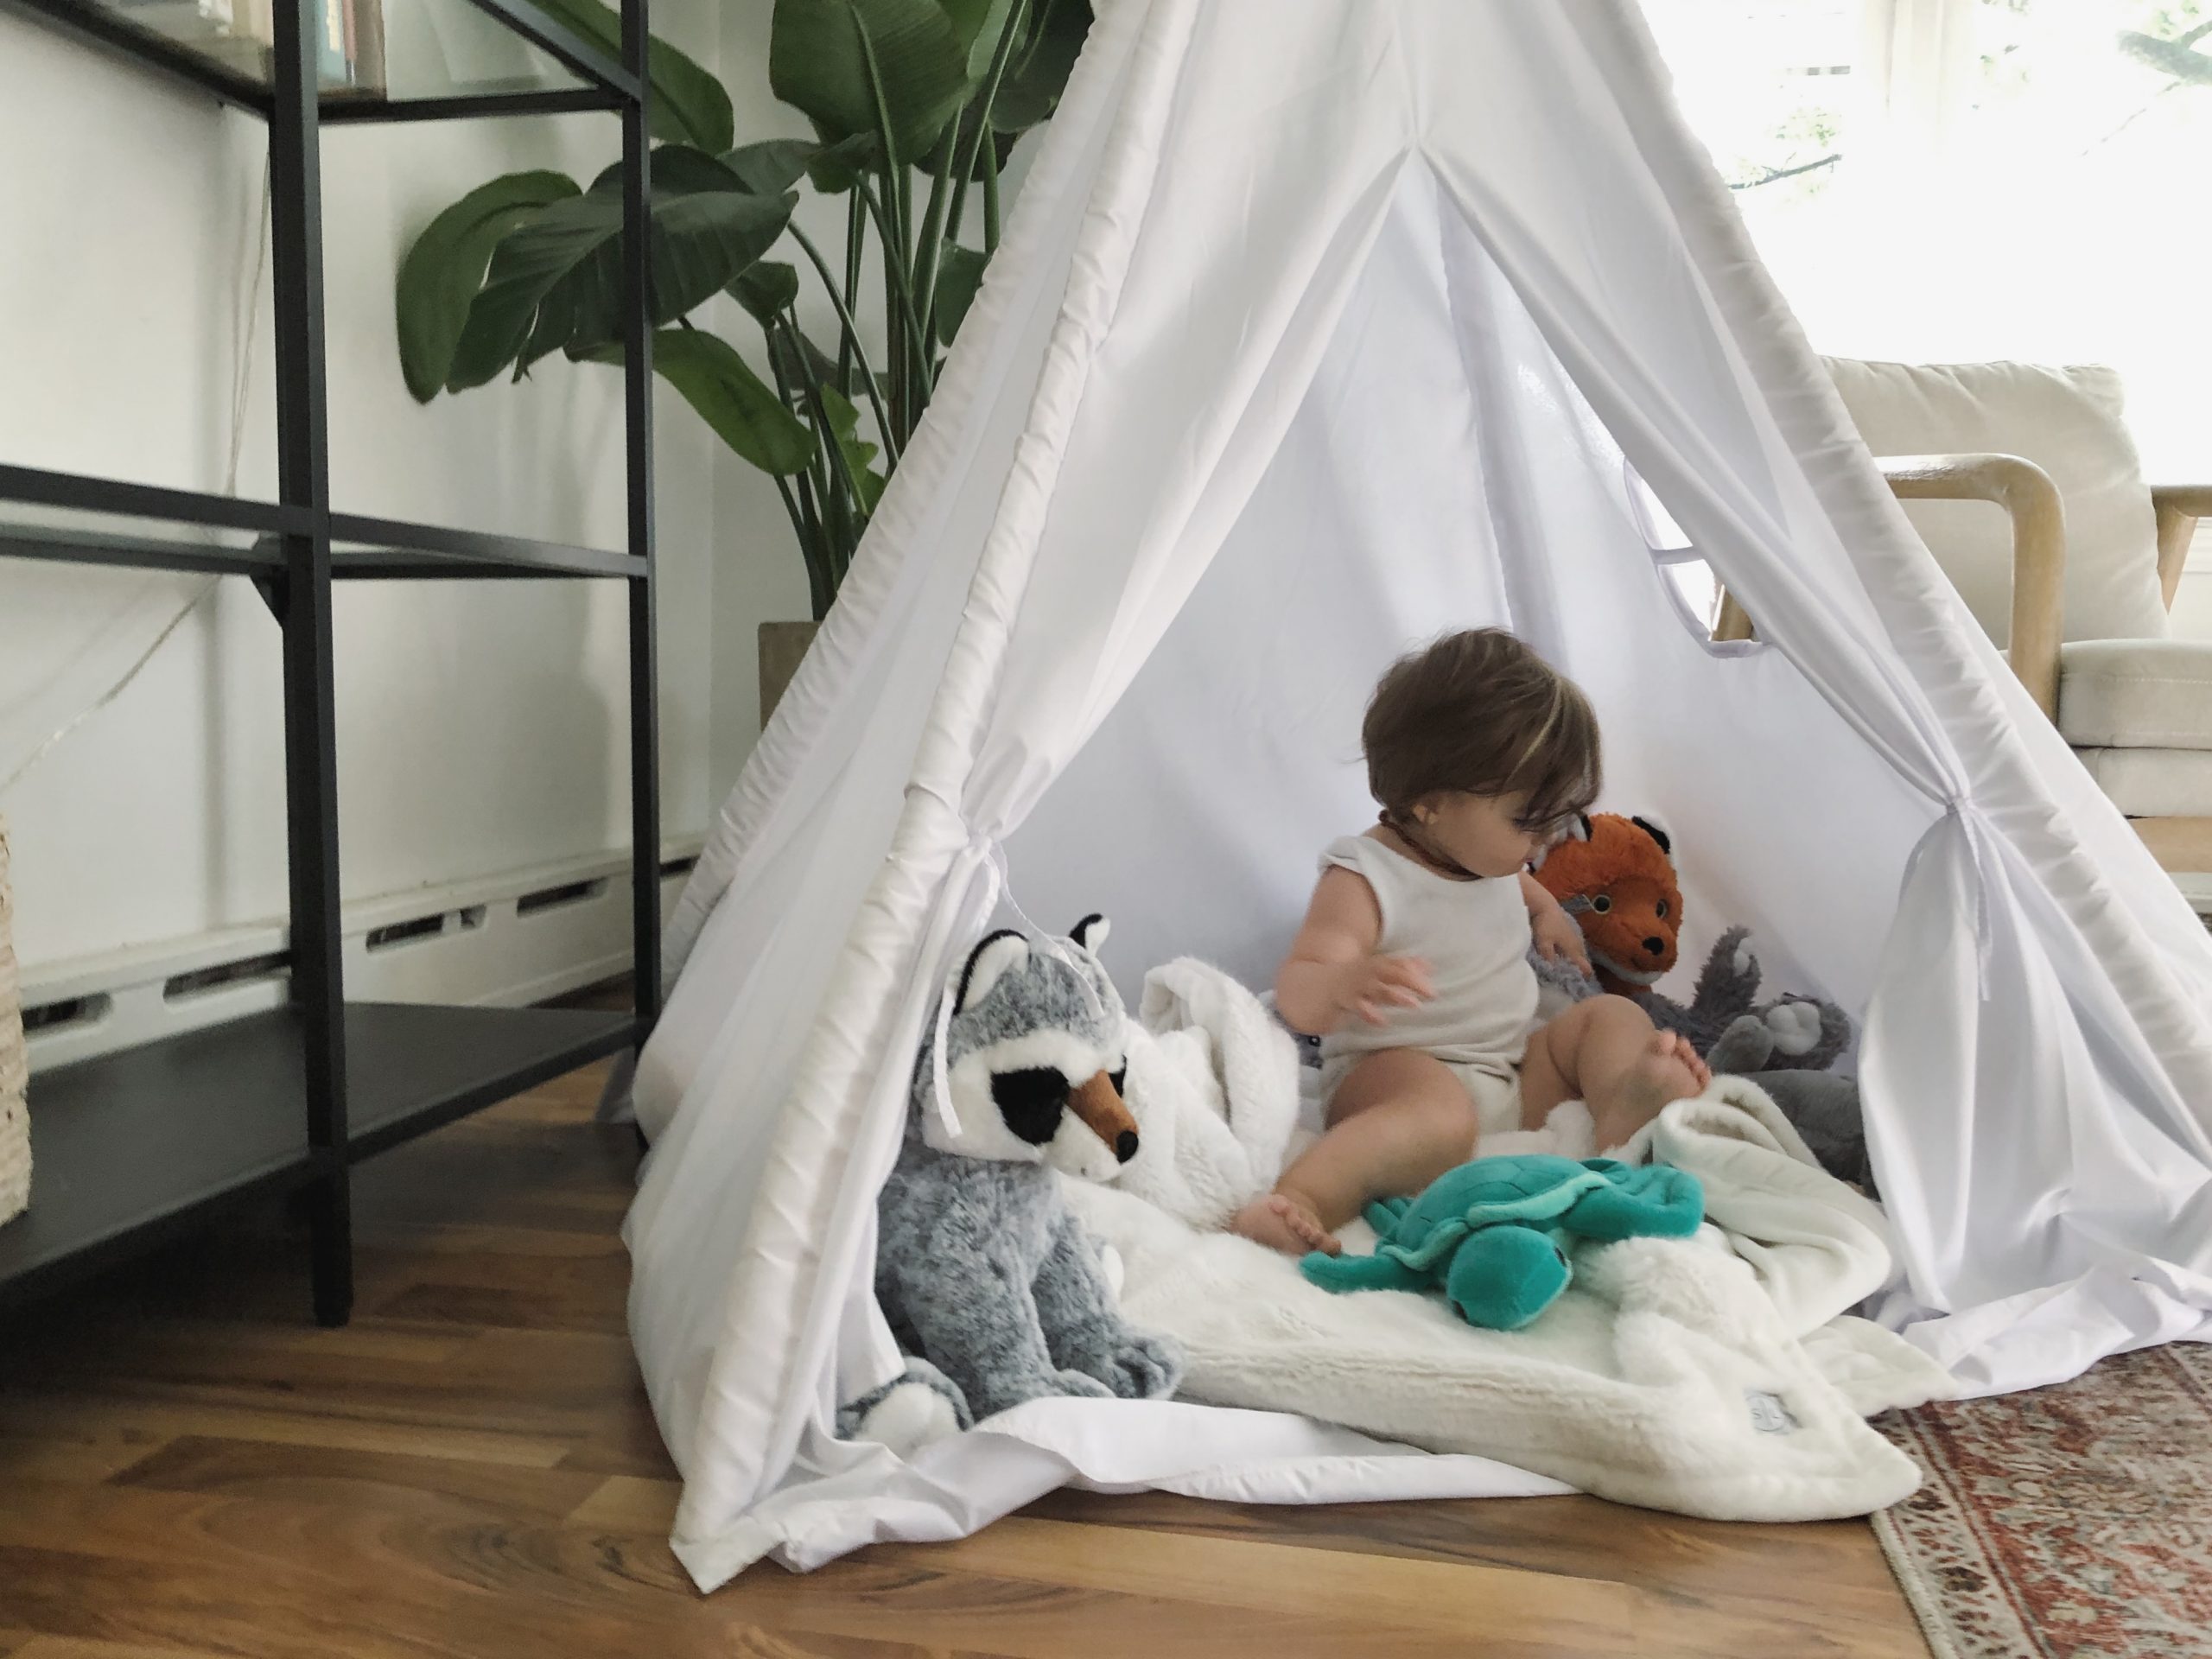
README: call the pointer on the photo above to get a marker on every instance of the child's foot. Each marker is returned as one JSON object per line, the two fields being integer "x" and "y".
{"x": 1283, "y": 1223}
{"x": 1667, "y": 1071}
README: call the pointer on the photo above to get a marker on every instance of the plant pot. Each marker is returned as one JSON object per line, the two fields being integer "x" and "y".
{"x": 15, "y": 1063}
{"x": 782, "y": 647}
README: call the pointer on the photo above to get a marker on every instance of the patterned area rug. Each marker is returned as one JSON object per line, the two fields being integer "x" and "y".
{"x": 2070, "y": 1522}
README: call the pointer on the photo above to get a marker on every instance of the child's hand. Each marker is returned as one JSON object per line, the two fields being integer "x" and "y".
{"x": 1374, "y": 985}
{"x": 1557, "y": 936}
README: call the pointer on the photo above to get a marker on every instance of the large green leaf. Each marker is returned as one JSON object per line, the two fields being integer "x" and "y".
{"x": 773, "y": 165}
{"x": 742, "y": 408}
{"x": 892, "y": 67}
{"x": 559, "y": 238}
{"x": 766, "y": 289}
{"x": 837, "y": 168}
{"x": 958, "y": 276}
{"x": 1038, "y": 74}
{"x": 688, "y": 104}
{"x": 445, "y": 267}
{"x": 978, "y": 23}
{"x": 556, "y": 283}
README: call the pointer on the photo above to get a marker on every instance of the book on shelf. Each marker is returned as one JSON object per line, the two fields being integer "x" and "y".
{"x": 241, "y": 35}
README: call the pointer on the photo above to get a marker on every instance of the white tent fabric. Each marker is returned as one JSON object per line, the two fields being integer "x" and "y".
{"x": 1321, "y": 326}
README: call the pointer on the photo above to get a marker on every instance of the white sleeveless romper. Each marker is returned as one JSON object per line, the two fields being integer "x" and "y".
{"x": 1475, "y": 938}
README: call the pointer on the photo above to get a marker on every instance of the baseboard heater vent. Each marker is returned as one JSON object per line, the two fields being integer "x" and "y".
{"x": 426, "y": 927}
{"x": 572, "y": 893}
{"x": 501, "y": 941}
{"x": 69, "y": 1014}
{"x": 201, "y": 982}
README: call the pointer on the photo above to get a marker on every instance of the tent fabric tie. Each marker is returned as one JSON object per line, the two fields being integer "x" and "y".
{"x": 1988, "y": 867}
{"x": 990, "y": 852}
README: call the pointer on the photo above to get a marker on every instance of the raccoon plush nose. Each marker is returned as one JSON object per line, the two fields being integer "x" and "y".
{"x": 1100, "y": 1105}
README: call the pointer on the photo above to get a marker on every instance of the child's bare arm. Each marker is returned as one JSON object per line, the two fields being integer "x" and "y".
{"x": 1556, "y": 935}
{"x": 1332, "y": 971}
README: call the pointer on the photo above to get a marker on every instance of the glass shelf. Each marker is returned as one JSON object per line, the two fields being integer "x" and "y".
{"x": 73, "y": 520}
{"x": 77, "y": 520}
{"x": 392, "y": 58}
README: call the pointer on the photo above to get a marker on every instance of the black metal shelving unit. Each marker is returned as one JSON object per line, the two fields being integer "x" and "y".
{"x": 133, "y": 1146}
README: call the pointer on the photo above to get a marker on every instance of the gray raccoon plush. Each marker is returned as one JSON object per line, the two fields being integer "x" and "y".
{"x": 989, "y": 1281}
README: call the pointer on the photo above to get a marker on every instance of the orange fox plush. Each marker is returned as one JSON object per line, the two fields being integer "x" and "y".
{"x": 1615, "y": 877}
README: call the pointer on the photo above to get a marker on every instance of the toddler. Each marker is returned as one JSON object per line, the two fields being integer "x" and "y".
{"x": 1412, "y": 965}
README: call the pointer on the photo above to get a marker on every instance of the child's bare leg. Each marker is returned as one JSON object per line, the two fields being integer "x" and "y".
{"x": 1398, "y": 1121}
{"x": 1606, "y": 1053}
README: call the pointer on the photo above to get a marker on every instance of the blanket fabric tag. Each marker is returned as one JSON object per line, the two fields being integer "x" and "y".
{"x": 1769, "y": 1415}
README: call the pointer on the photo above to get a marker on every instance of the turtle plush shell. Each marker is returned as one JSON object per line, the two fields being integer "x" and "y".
{"x": 1531, "y": 1190}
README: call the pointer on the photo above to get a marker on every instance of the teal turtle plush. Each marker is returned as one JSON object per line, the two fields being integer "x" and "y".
{"x": 1493, "y": 1233}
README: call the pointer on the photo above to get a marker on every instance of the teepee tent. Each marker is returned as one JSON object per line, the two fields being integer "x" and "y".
{"x": 1322, "y": 325}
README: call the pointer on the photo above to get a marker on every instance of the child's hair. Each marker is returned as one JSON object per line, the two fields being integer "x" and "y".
{"x": 1480, "y": 712}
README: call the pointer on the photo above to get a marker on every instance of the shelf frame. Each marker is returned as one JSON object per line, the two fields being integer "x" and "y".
{"x": 424, "y": 1055}
{"x": 295, "y": 558}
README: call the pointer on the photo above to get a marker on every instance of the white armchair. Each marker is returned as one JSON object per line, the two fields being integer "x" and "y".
{"x": 2073, "y": 578}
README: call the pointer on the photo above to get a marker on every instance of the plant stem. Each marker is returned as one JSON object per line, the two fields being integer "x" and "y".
{"x": 851, "y": 347}
{"x": 965, "y": 165}
{"x": 990, "y": 159}
{"x": 814, "y": 583}
{"x": 826, "y": 438}
{"x": 895, "y": 279}
{"x": 855, "y": 246}
{"x": 931, "y": 249}
{"x": 813, "y": 545}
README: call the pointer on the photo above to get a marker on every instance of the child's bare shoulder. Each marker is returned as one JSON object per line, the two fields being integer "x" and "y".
{"x": 1345, "y": 897}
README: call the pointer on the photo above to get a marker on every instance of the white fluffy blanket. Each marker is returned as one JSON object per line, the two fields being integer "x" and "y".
{"x": 1715, "y": 1377}
{"x": 1213, "y": 1086}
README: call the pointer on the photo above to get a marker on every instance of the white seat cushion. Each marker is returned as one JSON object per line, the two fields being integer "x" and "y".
{"x": 2068, "y": 422}
{"x": 2154, "y": 783}
{"x": 2136, "y": 693}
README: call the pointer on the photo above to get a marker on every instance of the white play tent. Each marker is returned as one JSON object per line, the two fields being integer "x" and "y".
{"x": 1322, "y": 325}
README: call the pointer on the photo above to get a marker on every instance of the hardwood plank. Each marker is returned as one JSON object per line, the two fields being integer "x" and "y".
{"x": 100, "y": 1420}
{"x": 1592, "y": 1616}
{"x": 1723, "y": 1570}
{"x": 66, "y": 1647}
{"x": 471, "y": 1469}
{"x": 629, "y": 1503}
{"x": 382, "y": 1482}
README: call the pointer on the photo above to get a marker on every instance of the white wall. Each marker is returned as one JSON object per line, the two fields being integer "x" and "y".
{"x": 761, "y": 576}
{"x": 481, "y": 727}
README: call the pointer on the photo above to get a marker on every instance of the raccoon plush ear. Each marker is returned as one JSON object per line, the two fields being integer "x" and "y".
{"x": 988, "y": 964}
{"x": 1666, "y": 842}
{"x": 1091, "y": 932}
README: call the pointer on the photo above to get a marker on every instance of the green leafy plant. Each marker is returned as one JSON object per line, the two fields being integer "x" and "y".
{"x": 914, "y": 105}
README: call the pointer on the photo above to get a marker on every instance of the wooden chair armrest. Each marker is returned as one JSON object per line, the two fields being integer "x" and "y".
{"x": 2025, "y": 492}
{"x": 2194, "y": 499}
{"x": 2179, "y": 507}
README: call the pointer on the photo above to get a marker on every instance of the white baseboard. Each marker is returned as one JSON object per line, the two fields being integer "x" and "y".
{"x": 501, "y": 941}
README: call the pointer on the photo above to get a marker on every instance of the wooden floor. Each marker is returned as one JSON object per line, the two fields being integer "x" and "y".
{"x": 189, "y": 1467}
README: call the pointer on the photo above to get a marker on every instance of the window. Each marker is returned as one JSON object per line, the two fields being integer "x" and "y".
{"x": 1957, "y": 179}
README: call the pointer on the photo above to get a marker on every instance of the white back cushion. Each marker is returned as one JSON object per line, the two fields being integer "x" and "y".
{"x": 2067, "y": 421}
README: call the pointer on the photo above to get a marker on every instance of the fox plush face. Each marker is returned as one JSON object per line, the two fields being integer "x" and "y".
{"x": 1034, "y": 1059}
{"x": 1615, "y": 877}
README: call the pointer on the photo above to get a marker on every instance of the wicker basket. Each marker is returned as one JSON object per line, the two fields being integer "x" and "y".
{"x": 15, "y": 1111}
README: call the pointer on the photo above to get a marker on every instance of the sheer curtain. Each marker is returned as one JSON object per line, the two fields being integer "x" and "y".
{"x": 1980, "y": 179}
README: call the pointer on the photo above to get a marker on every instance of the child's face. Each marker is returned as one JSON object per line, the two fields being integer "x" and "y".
{"x": 1482, "y": 833}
